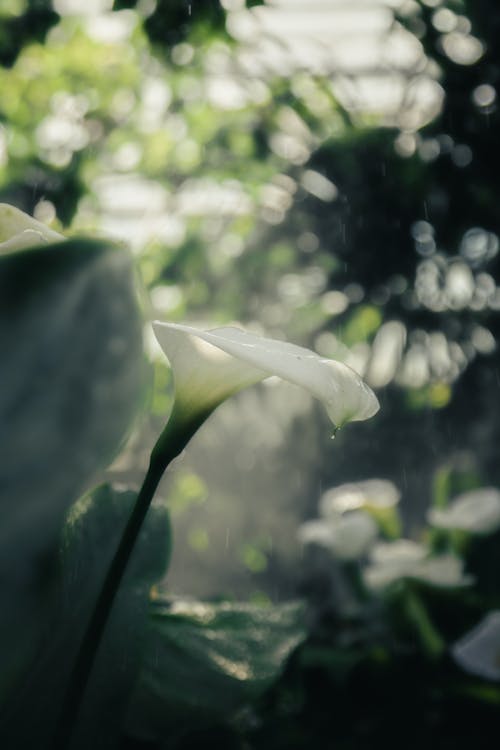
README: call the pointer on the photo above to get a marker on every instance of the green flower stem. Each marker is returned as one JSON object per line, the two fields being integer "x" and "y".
{"x": 417, "y": 614}
{"x": 177, "y": 433}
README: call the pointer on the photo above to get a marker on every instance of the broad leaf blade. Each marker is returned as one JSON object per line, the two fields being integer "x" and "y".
{"x": 71, "y": 375}
{"x": 205, "y": 660}
{"x": 90, "y": 536}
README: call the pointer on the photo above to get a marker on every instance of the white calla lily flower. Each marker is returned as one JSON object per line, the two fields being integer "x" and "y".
{"x": 209, "y": 366}
{"x": 392, "y": 561}
{"x": 403, "y": 553}
{"x": 404, "y": 558}
{"x": 376, "y": 493}
{"x": 18, "y": 230}
{"x": 477, "y": 512}
{"x": 348, "y": 537}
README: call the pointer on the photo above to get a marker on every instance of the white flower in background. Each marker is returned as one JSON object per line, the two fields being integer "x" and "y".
{"x": 403, "y": 552}
{"x": 347, "y": 537}
{"x": 478, "y": 652}
{"x": 315, "y": 531}
{"x": 391, "y": 561}
{"x": 376, "y": 493}
{"x": 477, "y": 512}
{"x": 394, "y": 561}
{"x": 443, "y": 571}
{"x": 19, "y": 230}
{"x": 209, "y": 366}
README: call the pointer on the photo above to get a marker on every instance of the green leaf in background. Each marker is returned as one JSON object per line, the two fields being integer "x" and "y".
{"x": 71, "y": 377}
{"x": 31, "y": 21}
{"x": 90, "y": 536}
{"x": 205, "y": 660}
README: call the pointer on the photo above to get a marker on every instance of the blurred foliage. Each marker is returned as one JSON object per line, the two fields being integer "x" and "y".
{"x": 172, "y": 21}
{"x": 21, "y": 22}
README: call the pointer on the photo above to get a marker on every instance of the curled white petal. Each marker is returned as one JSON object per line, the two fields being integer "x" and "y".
{"x": 477, "y": 512}
{"x": 204, "y": 375}
{"x": 250, "y": 358}
{"x": 478, "y": 652}
{"x": 18, "y": 230}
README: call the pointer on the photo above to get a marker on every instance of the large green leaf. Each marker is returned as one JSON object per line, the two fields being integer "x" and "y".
{"x": 90, "y": 536}
{"x": 205, "y": 660}
{"x": 71, "y": 375}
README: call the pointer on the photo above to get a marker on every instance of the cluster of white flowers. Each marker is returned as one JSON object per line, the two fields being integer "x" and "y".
{"x": 348, "y": 529}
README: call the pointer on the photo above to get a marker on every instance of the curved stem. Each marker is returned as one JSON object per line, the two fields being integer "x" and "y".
{"x": 171, "y": 442}
{"x": 417, "y": 614}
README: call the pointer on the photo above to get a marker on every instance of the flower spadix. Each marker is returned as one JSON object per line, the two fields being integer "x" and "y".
{"x": 209, "y": 366}
{"x": 19, "y": 230}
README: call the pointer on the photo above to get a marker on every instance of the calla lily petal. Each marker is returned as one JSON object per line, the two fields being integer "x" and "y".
{"x": 478, "y": 652}
{"x": 348, "y": 538}
{"x": 378, "y": 493}
{"x": 443, "y": 571}
{"x": 477, "y": 512}
{"x": 209, "y": 366}
{"x": 204, "y": 375}
{"x": 403, "y": 553}
{"x": 316, "y": 531}
{"x": 19, "y": 230}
